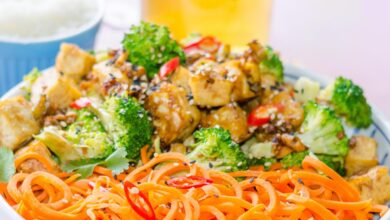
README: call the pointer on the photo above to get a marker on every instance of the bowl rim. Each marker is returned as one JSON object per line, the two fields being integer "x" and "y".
{"x": 379, "y": 119}
{"x": 85, "y": 27}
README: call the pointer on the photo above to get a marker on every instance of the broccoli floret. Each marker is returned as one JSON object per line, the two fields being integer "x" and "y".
{"x": 257, "y": 150}
{"x": 334, "y": 162}
{"x": 348, "y": 100}
{"x": 83, "y": 145}
{"x": 150, "y": 46}
{"x": 88, "y": 132}
{"x": 295, "y": 160}
{"x": 215, "y": 149}
{"x": 127, "y": 122}
{"x": 306, "y": 89}
{"x": 322, "y": 132}
{"x": 272, "y": 64}
{"x": 85, "y": 139}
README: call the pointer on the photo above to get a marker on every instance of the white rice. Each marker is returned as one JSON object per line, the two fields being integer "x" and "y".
{"x": 42, "y": 19}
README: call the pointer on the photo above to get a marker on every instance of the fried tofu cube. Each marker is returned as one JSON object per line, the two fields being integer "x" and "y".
{"x": 173, "y": 116}
{"x": 17, "y": 123}
{"x": 230, "y": 117}
{"x": 74, "y": 62}
{"x": 373, "y": 185}
{"x": 62, "y": 93}
{"x": 241, "y": 88}
{"x": 209, "y": 91}
{"x": 59, "y": 91}
{"x": 107, "y": 76}
{"x": 361, "y": 155}
{"x": 180, "y": 78}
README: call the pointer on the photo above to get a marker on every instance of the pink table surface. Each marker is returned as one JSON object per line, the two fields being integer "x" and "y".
{"x": 350, "y": 38}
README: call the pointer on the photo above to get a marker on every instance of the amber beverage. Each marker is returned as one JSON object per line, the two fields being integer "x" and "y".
{"x": 233, "y": 21}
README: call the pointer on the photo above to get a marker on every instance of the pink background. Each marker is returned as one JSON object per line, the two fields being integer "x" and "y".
{"x": 332, "y": 37}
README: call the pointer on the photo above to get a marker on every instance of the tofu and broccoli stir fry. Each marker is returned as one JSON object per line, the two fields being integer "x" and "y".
{"x": 111, "y": 113}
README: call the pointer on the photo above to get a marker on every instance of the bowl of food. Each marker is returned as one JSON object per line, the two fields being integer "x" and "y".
{"x": 33, "y": 41}
{"x": 161, "y": 129}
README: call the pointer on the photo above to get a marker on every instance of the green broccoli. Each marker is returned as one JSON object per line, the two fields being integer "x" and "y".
{"x": 295, "y": 160}
{"x": 215, "y": 149}
{"x": 85, "y": 139}
{"x": 272, "y": 64}
{"x": 83, "y": 145}
{"x": 257, "y": 150}
{"x": 348, "y": 100}
{"x": 322, "y": 132}
{"x": 334, "y": 162}
{"x": 151, "y": 46}
{"x": 127, "y": 122}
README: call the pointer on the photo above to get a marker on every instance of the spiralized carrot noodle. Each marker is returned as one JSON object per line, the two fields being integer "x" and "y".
{"x": 313, "y": 192}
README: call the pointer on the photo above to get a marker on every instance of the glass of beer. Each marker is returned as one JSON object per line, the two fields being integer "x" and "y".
{"x": 232, "y": 21}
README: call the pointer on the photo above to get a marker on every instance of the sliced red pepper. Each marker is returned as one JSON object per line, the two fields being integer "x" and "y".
{"x": 169, "y": 67}
{"x": 262, "y": 114}
{"x": 187, "y": 182}
{"x": 139, "y": 202}
{"x": 207, "y": 44}
{"x": 80, "y": 103}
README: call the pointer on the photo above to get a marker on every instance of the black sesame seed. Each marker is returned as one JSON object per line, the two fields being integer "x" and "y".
{"x": 192, "y": 161}
{"x": 210, "y": 165}
{"x": 134, "y": 67}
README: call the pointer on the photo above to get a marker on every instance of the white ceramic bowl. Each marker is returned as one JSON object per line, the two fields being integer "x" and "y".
{"x": 380, "y": 130}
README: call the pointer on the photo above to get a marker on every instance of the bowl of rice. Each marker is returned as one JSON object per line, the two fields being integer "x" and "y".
{"x": 32, "y": 31}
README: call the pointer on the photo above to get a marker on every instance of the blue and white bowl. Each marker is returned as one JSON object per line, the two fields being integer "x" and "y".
{"x": 17, "y": 57}
{"x": 379, "y": 130}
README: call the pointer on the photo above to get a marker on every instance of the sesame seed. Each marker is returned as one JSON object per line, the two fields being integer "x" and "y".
{"x": 134, "y": 190}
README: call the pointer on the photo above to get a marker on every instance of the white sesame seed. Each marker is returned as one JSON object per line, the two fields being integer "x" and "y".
{"x": 134, "y": 190}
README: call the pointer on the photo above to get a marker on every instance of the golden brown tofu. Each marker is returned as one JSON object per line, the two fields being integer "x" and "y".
{"x": 74, "y": 62}
{"x": 17, "y": 122}
{"x": 362, "y": 155}
{"x": 241, "y": 88}
{"x": 209, "y": 91}
{"x": 59, "y": 91}
{"x": 209, "y": 84}
{"x": 373, "y": 185}
{"x": 173, "y": 117}
{"x": 230, "y": 117}
{"x": 180, "y": 78}
{"x": 63, "y": 92}
{"x": 292, "y": 110}
{"x": 32, "y": 165}
{"x": 108, "y": 76}
{"x": 252, "y": 70}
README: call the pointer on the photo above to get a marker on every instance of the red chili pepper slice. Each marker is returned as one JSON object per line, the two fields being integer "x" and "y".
{"x": 169, "y": 67}
{"x": 207, "y": 44}
{"x": 80, "y": 103}
{"x": 262, "y": 114}
{"x": 139, "y": 202}
{"x": 187, "y": 182}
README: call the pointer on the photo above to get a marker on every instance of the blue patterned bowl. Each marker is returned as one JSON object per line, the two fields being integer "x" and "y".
{"x": 18, "y": 58}
{"x": 380, "y": 130}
